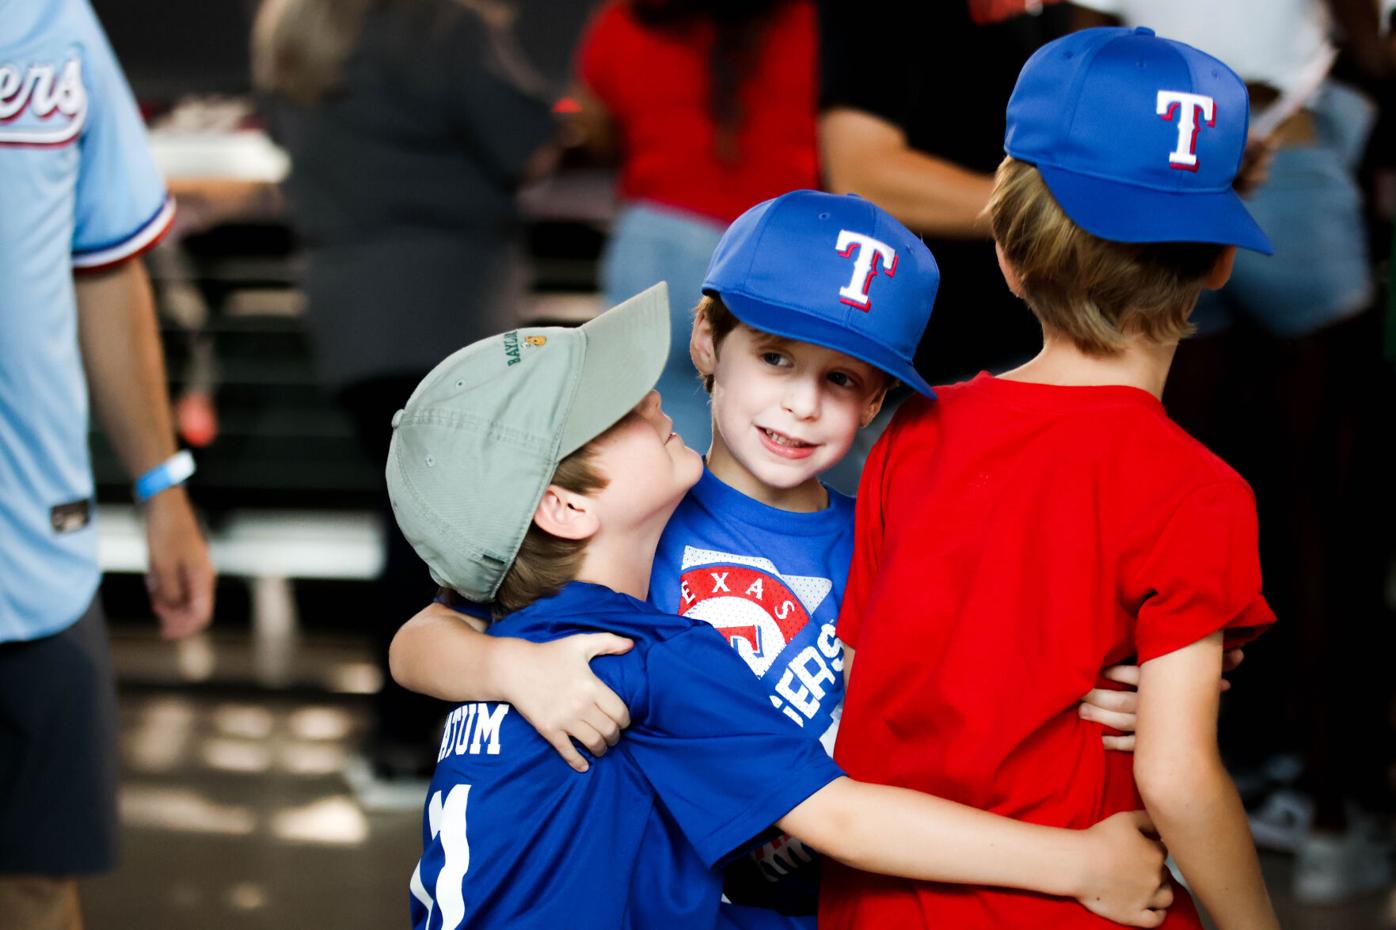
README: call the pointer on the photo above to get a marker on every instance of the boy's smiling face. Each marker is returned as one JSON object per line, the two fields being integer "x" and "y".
{"x": 783, "y": 411}
{"x": 649, "y": 466}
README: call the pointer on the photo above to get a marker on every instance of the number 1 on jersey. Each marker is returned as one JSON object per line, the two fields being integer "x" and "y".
{"x": 448, "y": 826}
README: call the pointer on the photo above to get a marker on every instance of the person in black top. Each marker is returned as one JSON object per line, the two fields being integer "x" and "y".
{"x": 913, "y": 119}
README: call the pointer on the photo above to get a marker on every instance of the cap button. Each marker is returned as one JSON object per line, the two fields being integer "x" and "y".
{"x": 1143, "y": 31}
{"x": 397, "y": 417}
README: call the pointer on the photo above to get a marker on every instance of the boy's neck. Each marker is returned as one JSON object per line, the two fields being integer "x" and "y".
{"x": 622, "y": 560}
{"x": 1141, "y": 364}
{"x": 807, "y": 497}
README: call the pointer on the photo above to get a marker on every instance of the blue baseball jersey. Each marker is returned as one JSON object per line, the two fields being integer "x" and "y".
{"x": 80, "y": 190}
{"x": 770, "y": 581}
{"x": 512, "y": 837}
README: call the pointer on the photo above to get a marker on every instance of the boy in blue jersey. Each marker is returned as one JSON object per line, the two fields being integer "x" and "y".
{"x": 814, "y": 304}
{"x": 536, "y": 471}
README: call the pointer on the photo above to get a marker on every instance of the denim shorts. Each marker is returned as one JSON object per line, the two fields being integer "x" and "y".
{"x": 1311, "y": 209}
{"x": 650, "y": 243}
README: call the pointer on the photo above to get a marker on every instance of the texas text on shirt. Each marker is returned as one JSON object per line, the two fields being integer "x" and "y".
{"x": 770, "y": 581}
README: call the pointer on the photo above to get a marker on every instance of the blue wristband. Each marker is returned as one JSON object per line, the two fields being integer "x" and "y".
{"x": 174, "y": 470}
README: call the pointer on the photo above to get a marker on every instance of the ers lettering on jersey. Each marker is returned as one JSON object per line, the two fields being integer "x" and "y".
{"x": 749, "y": 601}
{"x": 41, "y": 104}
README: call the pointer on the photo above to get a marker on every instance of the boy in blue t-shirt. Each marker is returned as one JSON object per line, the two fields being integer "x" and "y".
{"x": 813, "y": 306}
{"x": 536, "y": 471}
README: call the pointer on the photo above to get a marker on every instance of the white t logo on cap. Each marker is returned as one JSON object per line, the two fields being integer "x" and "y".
{"x": 869, "y": 250}
{"x": 1193, "y": 110}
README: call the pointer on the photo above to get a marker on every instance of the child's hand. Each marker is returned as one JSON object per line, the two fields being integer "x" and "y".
{"x": 1124, "y": 877}
{"x": 1115, "y": 709}
{"x": 554, "y": 689}
{"x": 1118, "y": 709}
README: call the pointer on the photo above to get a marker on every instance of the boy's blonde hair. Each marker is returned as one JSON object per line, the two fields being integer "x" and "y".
{"x": 1094, "y": 291}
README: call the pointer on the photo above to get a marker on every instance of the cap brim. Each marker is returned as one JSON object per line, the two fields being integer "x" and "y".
{"x": 1127, "y": 213}
{"x": 795, "y": 324}
{"x": 626, "y": 348}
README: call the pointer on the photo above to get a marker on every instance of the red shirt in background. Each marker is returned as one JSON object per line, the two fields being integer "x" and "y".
{"x": 1013, "y": 540}
{"x": 655, "y": 86}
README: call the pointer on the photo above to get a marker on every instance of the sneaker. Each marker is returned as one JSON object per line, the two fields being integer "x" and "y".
{"x": 1331, "y": 868}
{"x": 378, "y": 789}
{"x": 1281, "y": 823}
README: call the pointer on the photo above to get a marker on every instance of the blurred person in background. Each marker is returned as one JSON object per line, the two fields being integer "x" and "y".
{"x": 410, "y": 125}
{"x": 709, "y": 108}
{"x": 80, "y": 199}
{"x": 1282, "y": 380}
{"x": 912, "y": 117}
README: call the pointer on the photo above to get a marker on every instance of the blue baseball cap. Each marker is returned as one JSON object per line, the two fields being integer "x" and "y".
{"x": 1139, "y": 138}
{"x": 831, "y": 269}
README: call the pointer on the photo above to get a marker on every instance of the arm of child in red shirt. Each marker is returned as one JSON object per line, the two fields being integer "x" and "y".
{"x": 1179, "y": 772}
{"x": 1114, "y": 868}
{"x": 441, "y": 654}
{"x": 1119, "y": 709}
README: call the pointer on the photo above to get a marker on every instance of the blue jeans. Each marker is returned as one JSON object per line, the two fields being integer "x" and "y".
{"x": 649, "y": 244}
{"x": 1312, "y": 210}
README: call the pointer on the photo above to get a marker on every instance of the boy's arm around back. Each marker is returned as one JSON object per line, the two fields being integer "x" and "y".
{"x": 726, "y": 766}
{"x": 1114, "y": 869}
{"x": 442, "y": 653}
{"x": 1180, "y": 775}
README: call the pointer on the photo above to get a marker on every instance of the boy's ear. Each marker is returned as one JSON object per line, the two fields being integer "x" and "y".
{"x": 874, "y": 404}
{"x": 1010, "y": 274}
{"x": 1221, "y": 271}
{"x": 701, "y": 347}
{"x": 566, "y": 514}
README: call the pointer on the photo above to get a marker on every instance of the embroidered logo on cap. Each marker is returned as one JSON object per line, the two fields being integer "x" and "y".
{"x": 867, "y": 253}
{"x": 1191, "y": 111}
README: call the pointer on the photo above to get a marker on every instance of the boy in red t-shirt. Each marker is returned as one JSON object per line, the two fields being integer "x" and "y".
{"x": 1023, "y": 532}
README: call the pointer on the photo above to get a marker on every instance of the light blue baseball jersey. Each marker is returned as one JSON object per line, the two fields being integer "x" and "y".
{"x": 78, "y": 190}
{"x": 770, "y": 581}
{"x": 512, "y": 837}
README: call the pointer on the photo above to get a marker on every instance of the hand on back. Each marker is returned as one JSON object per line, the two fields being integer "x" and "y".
{"x": 557, "y": 693}
{"x": 1119, "y": 709}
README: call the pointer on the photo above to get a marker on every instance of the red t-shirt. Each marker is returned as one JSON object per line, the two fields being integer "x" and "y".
{"x": 655, "y": 86}
{"x": 1013, "y": 540}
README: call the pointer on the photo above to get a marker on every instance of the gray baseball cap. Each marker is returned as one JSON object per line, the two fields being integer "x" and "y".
{"x": 481, "y": 436}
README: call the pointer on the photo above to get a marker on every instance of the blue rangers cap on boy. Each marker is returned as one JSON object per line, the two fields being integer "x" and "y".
{"x": 1139, "y": 138}
{"x": 831, "y": 269}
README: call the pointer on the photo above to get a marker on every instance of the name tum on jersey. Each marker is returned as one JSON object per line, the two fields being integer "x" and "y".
{"x": 472, "y": 729}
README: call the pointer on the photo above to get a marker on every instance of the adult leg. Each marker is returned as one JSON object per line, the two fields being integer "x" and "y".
{"x": 649, "y": 245}
{"x": 57, "y": 771}
{"x": 405, "y": 724}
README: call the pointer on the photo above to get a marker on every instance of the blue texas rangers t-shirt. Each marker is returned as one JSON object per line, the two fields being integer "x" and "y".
{"x": 513, "y": 837}
{"x": 770, "y": 581}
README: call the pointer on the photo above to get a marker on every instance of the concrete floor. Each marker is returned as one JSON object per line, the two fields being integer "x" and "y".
{"x": 237, "y": 816}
